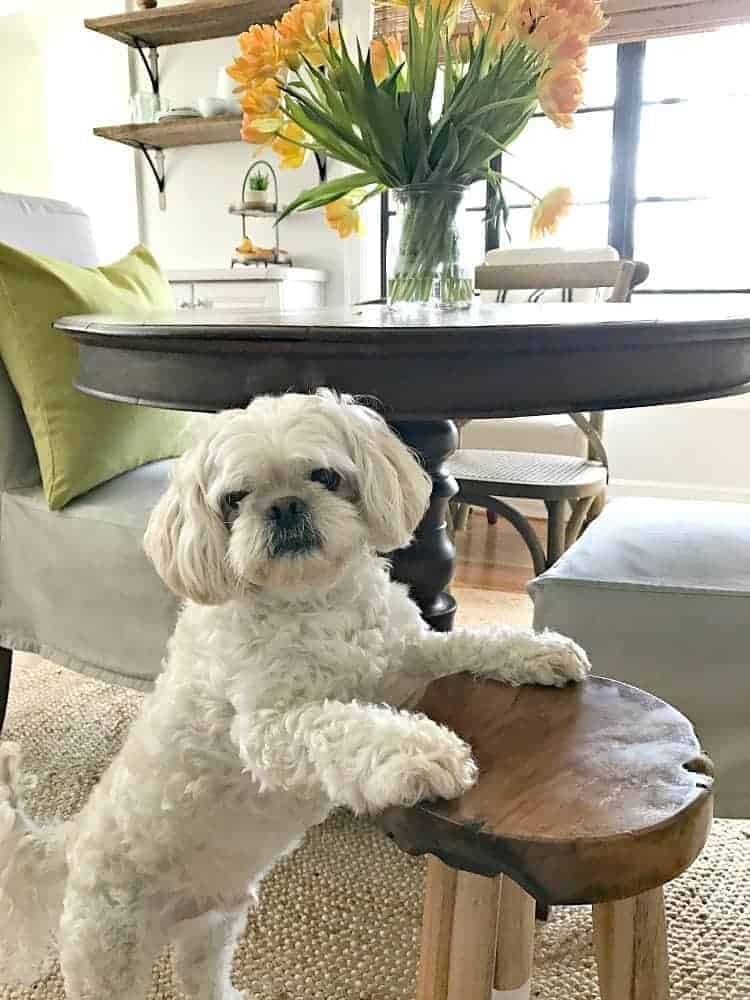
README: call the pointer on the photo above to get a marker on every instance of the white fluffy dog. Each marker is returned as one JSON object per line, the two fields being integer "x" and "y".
{"x": 273, "y": 707}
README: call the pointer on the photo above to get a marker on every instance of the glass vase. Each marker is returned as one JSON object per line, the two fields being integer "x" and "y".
{"x": 429, "y": 265}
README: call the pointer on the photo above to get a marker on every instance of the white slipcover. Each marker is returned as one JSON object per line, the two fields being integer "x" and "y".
{"x": 658, "y": 593}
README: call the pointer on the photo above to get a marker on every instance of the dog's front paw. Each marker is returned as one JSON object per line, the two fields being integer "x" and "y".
{"x": 556, "y": 660}
{"x": 433, "y": 763}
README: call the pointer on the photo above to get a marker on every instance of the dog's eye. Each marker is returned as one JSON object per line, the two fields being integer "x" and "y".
{"x": 326, "y": 477}
{"x": 232, "y": 501}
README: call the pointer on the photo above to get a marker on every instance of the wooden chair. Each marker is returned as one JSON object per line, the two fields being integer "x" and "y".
{"x": 573, "y": 489}
{"x": 594, "y": 794}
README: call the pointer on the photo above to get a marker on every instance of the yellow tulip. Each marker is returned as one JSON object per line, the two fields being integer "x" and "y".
{"x": 261, "y": 99}
{"x": 259, "y": 130}
{"x": 549, "y": 210}
{"x": 498, "y": 35}
{"x": 496, "y": 8}
{"x": 448, "y": 9}
{"x": 342, "y": 216}
{"x": 290, "y": 154}
{"x": 380, "y": 49}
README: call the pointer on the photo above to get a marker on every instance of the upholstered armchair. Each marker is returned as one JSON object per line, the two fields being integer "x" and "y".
{"x": 75, "y": 586}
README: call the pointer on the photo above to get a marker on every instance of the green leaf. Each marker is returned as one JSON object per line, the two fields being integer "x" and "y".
{"x": 325, "y": 193}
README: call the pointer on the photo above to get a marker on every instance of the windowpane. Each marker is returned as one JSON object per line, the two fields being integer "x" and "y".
{"x": 699, "y": 244}
{"x": 586, "y": 226}
{"x": 693, "y": 149}
{"x": 600, "y": 79}
{"x": 714, "y": 63}
{"x": 544, "y": 157}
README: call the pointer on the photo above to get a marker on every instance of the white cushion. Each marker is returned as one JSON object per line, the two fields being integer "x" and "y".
{"x": 658, "y": 592}
{"x": 551, "y": 255}
{"x": 553, "y": 435}
{"x": 76, "y": 585}
{"x": 42, "y": 225}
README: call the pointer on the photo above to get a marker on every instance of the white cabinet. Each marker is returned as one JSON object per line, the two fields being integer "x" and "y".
{"x": 272, "y": 288}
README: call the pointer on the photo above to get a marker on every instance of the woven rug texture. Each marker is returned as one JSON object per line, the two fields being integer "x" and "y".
{"x": 340, "y": 919}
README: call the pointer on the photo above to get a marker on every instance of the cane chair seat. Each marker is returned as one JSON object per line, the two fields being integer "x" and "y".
{"x": 527, "y": 474}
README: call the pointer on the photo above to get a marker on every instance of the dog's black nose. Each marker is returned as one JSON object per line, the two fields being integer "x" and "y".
{"x": 286, "y": 512}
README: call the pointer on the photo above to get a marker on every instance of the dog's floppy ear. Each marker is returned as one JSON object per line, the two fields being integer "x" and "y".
{"x": 394, "y": 489}
{"x": 186, "y": 539}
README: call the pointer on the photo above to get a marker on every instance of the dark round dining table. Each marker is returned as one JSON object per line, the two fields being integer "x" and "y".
{"x": 490, "y": 361}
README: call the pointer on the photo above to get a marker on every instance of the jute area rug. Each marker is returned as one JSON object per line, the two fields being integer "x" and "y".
{"x": 339, "y": 920}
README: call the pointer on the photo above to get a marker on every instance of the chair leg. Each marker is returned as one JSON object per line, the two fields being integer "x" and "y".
{"x": 600, "y": 502}
{"x": 577, "y": 521}
{"x": 515, "y": 943}
{"x": 6, "y": 662}
{"x": 461, "y": 516}
{"x": 555, "y": 530}
{"x": 630, "y": 942}
{"x": 459, "y": 930}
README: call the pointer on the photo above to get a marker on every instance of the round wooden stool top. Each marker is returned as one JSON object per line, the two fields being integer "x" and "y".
{"x": 594, "y": 792}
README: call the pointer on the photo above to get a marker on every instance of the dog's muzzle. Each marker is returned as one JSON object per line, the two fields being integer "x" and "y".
{"x": 292, "y": 528}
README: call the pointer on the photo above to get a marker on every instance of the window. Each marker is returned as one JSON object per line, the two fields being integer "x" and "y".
{"x": 656, "y": 162}
{"x": 691, "y": 215}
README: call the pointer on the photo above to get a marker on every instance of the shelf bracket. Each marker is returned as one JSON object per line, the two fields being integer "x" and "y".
{"x": 150, "y": 61}
{"x": 322, "y": 160}
{"x": 156, "y": 162}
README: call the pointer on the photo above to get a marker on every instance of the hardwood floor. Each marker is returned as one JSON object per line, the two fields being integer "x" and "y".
{"x": 493, "y": 557}
{"x": 493, "y": 567}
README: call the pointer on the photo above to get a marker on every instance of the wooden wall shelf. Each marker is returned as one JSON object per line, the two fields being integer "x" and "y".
{"x": 169, "y": 135}
{"x": 187, "y": 22}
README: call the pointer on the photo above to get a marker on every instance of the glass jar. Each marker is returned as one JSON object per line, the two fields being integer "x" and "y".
{"x": 429, "y": 266}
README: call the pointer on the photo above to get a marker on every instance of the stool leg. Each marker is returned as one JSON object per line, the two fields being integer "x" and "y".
{"x": 515, "y": 943}
{"x": 630, "y": 941}
{"x": 459, "y": 929}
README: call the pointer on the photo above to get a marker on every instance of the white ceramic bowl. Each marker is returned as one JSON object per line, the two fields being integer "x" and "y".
{"x": 209, "y": 107}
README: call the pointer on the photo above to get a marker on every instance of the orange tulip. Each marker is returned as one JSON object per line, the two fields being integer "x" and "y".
{"x": 560, "y": 92}
{"x": 549, "y": 210}
{"x": 585, "y": 16}
{"x": 300, "y": 29}
{"x": 572, "y": 48}
{"x": 261, "y": 57}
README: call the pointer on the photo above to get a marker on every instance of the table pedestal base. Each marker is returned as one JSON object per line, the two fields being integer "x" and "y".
{"x": 427, "y": 564}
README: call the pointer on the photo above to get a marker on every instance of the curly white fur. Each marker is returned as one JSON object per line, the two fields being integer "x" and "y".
{"x": 274, "y": 705}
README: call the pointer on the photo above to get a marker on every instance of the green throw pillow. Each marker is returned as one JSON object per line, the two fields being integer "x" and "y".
{"x": 80, "y": 441}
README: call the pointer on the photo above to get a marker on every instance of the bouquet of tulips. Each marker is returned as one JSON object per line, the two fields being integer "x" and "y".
{"x": 303, "y": 88}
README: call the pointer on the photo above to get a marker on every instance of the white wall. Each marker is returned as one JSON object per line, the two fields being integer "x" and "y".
{"x": 59, "y": 80}
{"x": 694, "y": 451}
{"x": 196, "y": 229}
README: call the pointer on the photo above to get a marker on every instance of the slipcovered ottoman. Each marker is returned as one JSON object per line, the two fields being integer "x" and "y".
{"x": 658, "y": 592}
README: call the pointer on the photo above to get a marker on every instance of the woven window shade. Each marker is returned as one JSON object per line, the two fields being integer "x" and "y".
{"x": 630, "y": 20}
{"x": 391, "y": 20}
{"x": 636, "y": 20}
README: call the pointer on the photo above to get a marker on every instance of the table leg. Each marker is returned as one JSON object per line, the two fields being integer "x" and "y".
{"x": 427, "y": 564}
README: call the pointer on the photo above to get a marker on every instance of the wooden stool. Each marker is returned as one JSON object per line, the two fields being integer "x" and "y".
{"x": 595, "y": 794}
